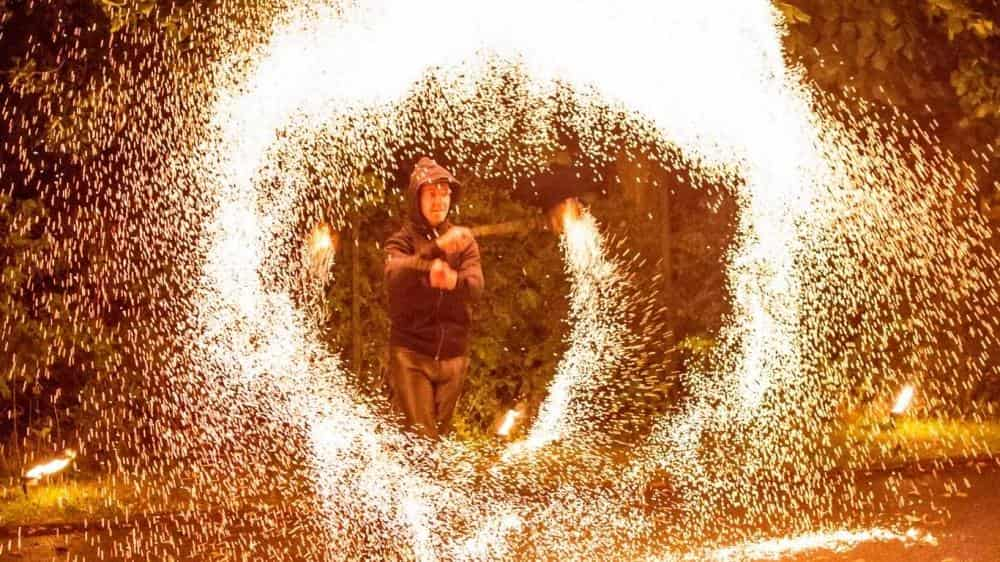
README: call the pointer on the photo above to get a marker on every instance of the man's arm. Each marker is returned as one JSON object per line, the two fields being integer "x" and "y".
{"x": 409, "y": 265}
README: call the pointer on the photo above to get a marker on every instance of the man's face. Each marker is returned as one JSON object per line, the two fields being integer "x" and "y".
{"x": 435, "y": 198}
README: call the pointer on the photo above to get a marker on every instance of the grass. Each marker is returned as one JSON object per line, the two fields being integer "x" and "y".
{"x": 61, "y": 501}
{"x": 866, "y": 441}
{"x": 875, "y": 442}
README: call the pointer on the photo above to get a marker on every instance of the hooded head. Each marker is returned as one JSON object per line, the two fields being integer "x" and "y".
{"x": 433, "y": 208}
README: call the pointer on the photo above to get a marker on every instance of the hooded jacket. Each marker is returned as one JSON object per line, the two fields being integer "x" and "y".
{"x": 434, "y": 322}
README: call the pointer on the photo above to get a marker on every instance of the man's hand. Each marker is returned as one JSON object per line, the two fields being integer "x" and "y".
{"x": 442, "y": 276}
{"x": 455, "y": 240}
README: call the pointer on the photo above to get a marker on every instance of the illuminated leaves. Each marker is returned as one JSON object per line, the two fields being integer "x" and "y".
{"x": 887, "y": 51}
{"x": 956, "y": 17}
{"x": 123, "y": 13}
{"x": 793, "y": 14}
{"x": 977, "y": 84}
{"x": 42, "y": 333}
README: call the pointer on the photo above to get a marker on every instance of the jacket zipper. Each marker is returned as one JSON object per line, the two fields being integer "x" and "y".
{"x": 437, "y": 312}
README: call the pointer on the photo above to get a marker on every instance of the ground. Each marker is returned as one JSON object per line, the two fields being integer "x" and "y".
{"x": 961, "y": 510}
{"x": 964, "y": 521}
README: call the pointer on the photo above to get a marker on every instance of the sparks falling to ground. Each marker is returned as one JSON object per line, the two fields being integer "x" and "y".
{"x": 252, "y": 406}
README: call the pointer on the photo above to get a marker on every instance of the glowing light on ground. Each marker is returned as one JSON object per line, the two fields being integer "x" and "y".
{"x": 50, "y": 467}
{"x": 509, "y": 419}
{"x": 839, "y": 541}
{"x": 903, "y": 400}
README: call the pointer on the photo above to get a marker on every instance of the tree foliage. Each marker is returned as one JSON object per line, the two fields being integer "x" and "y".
{"x": 937, "y": 60}
{"x": 51, "y": 351}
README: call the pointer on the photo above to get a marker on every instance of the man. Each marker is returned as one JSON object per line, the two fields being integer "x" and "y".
{"x": 433, "y": 273}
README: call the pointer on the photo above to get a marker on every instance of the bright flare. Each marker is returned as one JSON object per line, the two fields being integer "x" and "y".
{"x": 903, "y": 400}
{"x": 45, "y": 469}
{"x": 564, "y": 215}
{"x": 322, "y": 238}
{"x": 832, "y": 541}
{"x": 508, "y": 423}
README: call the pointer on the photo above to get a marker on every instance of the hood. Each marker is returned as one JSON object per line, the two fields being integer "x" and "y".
{"x": 424, "y": 172}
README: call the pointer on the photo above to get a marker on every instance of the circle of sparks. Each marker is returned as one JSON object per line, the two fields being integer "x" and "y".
{"x": 251, "y": 407}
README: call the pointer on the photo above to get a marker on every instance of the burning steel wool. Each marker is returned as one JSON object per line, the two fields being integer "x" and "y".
{"x": 596, "y": 342}
{"x": 251, "y": 408}
{"x": 321, "y": 247}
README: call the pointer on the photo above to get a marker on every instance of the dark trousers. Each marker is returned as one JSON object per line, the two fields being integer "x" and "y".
{"x": 424, "y": 390}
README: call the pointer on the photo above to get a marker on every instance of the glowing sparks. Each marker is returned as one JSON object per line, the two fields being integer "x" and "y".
{"x": 322, "y": 239}
{"x": 903, "y": 400}
{"x": 827, "y": 542}
{"x": 596, "y": 342}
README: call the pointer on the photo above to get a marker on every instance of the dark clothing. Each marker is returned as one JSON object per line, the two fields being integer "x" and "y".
{"x": 425, "y": 391}
{"x": 431, "y": 321}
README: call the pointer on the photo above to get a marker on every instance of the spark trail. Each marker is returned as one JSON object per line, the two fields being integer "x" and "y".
{"x": 598, "y": 338}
